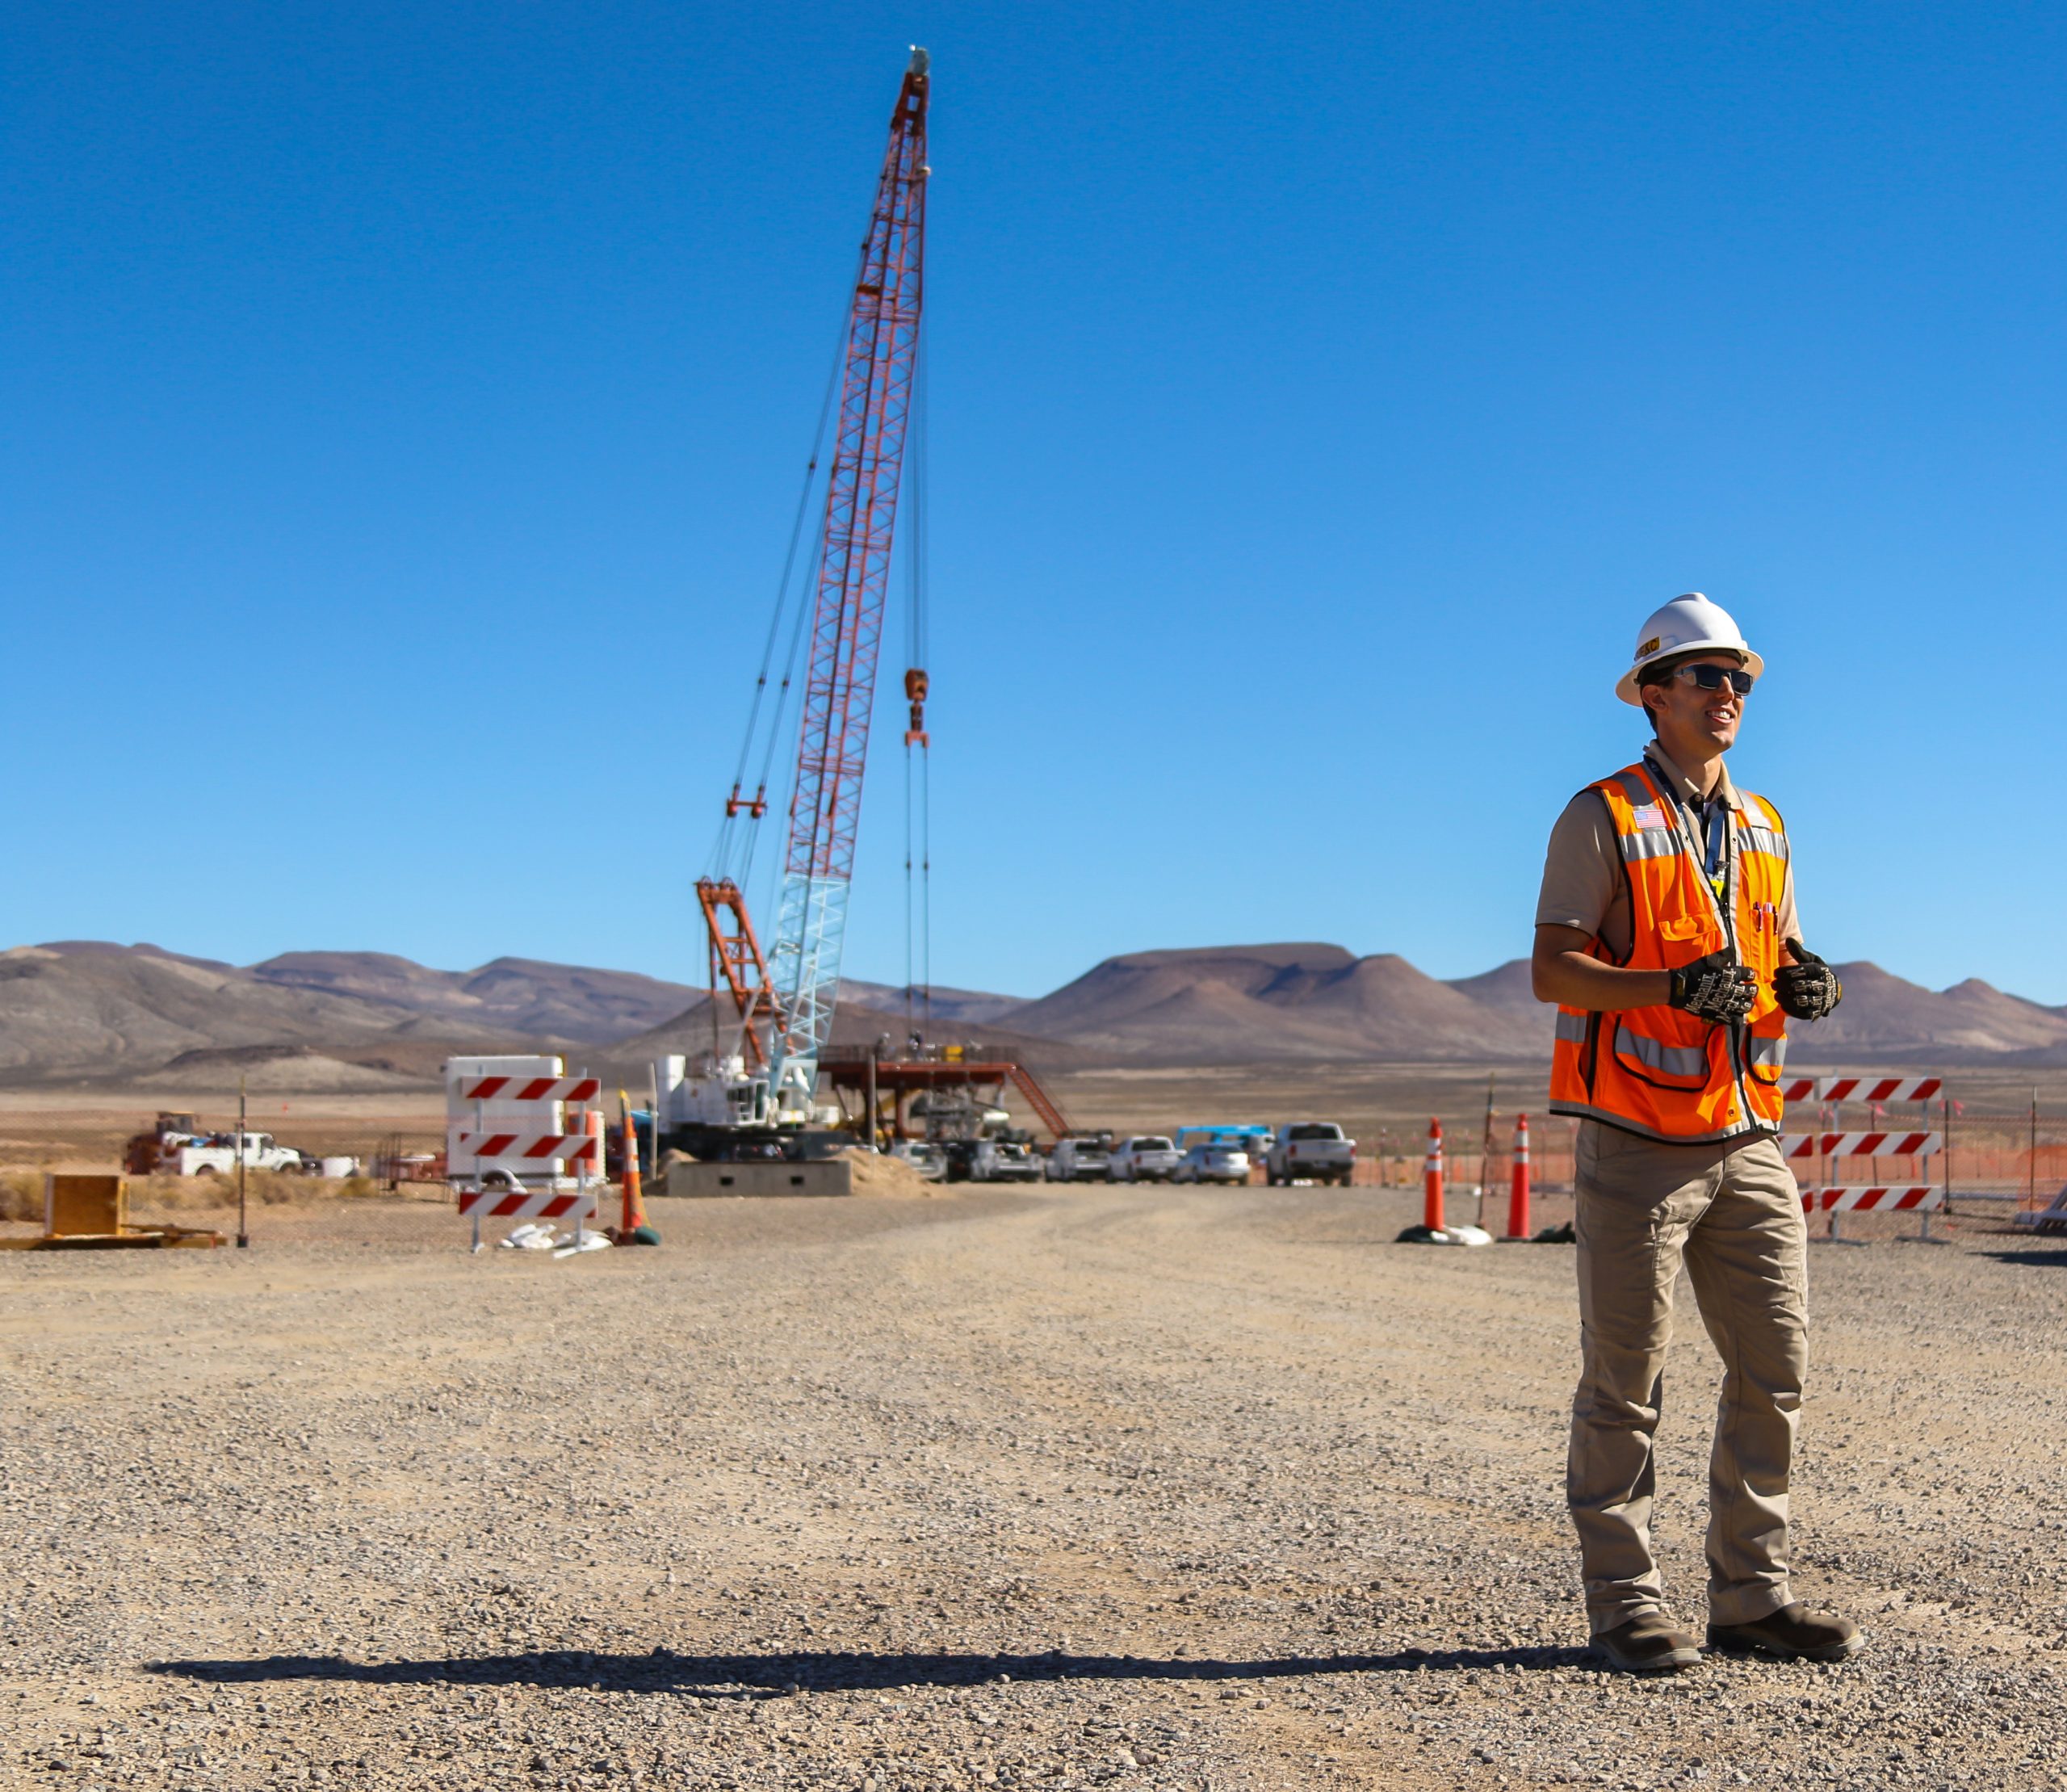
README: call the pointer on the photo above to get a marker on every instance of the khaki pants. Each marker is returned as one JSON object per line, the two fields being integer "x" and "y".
{"x": 1731, "y": 1214}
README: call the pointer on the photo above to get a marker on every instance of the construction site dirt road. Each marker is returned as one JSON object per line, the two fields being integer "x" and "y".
{"x": 1038, "y": 1488}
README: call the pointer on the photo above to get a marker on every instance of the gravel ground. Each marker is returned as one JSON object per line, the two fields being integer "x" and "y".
{"x": 1040, "y": 1488}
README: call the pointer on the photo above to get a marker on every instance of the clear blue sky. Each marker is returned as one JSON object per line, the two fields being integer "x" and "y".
{"x": 404, "y": 405}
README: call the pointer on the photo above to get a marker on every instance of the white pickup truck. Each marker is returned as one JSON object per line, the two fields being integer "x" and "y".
{"x": 1149, "y": 1158}
{"x": 217, "y": 1155}
{"x": 1310, "y": 1151}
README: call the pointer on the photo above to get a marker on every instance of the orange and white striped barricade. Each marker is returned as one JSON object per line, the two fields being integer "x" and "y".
{"x": 523, "y": 1140}
{"x": 1832, "y": 1149}
{"x": 1886, "y": 1143}
{"x": 1876, "y": 1090}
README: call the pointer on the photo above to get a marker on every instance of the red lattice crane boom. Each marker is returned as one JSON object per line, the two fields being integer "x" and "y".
{"x": 795, "y": 987}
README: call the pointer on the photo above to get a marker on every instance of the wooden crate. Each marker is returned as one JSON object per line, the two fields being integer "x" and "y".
{"x": 78, "y": 1204}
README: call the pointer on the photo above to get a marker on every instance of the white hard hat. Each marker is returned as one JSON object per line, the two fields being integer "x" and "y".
{"x": 1688, "y": 624}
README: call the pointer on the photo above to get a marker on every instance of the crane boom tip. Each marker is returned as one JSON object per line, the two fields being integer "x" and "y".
{"x": 921, "y": 62}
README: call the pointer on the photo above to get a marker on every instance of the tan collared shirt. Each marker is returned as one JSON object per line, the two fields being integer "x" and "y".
{"x": 1583, "y": 882}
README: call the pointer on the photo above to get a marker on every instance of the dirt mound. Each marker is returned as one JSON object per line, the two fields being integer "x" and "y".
{"x": 875, "y": 1173}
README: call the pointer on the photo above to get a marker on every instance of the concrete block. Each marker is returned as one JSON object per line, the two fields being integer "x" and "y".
{"x": 816, "y": 1175}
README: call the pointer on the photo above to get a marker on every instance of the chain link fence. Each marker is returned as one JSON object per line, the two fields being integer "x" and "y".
{"x": 388, "y": 1189}
{"x": 1996, "y": 1166}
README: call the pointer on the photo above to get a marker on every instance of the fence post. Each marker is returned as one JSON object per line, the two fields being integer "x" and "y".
{"x": 243, "y": 1231}
{"x": 1945, "y": 1169}
{"x": 2031, "y": 1169}
{"x": 1923, "y": 1125}
{"x": 1826, "y": 1118}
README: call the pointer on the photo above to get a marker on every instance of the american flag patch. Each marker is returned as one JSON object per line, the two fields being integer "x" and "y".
{"x": 1647, "y": 815}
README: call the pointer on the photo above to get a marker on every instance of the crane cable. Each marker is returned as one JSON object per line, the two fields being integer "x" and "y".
{"x": 723, "y": 849}
{"x": 918, "y": 818}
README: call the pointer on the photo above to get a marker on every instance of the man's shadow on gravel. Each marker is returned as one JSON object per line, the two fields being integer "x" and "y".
{"x": 773, "y": 1676}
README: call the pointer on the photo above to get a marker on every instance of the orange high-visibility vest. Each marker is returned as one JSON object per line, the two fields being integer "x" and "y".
{"x": 1659, "y": 1071}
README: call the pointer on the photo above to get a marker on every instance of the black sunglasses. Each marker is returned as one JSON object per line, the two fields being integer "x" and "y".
{"x": 1710, "y": 677}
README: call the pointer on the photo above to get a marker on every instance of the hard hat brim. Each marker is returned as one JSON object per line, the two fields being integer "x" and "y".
{"x": 1626, "y": 687}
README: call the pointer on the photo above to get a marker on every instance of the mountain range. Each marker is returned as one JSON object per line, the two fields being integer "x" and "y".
{"x": 75, "y": 1010}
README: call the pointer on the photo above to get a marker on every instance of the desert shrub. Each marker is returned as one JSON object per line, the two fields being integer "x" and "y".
{"x": 149, "y": 1194}
{"x": 21, "y": 1194}
{"x": 263, "y": 1189}
{"x": 284, "y": 1189}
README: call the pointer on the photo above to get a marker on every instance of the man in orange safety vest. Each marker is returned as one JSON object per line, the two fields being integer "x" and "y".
{"x": 1666, "y": 933}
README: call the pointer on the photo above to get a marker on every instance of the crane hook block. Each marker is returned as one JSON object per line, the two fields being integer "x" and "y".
{"x": 916, "y": 684}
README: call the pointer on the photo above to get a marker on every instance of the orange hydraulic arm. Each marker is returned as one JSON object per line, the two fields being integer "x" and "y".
{"x": 735, "y": 956}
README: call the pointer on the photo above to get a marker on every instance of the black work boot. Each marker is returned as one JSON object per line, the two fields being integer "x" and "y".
{"x": 1793, "y": 1633}
{"x": 1649, "y": 1643}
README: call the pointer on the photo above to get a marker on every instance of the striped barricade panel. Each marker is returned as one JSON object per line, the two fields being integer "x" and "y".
{"x": 1861, "y": 1088}
{"x": 576, "y": 1147}
{"x": 530, "y": 1089}
{"x": 1879, "y": 1089}
{"x": 1796, "y": 1145}
{"x": 1856, "y": 1197}
{"x": 528, "y": 1203}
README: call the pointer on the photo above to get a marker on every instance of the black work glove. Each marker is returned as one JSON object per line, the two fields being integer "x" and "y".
{"x": 1808, "y": 988}
{"x": 1715, "y": 988}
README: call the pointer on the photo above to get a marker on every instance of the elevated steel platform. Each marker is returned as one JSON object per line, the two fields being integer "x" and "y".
{"x": 935, "y": 1071}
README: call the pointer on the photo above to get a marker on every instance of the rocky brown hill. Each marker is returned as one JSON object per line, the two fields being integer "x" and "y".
{"x": 525, "y": 996}
{"x": 1256, "y": 1004}
{"x": 74, "y": 1009}
{"x": 1248, "y": 1004}
{"x": 87, "y": 1009}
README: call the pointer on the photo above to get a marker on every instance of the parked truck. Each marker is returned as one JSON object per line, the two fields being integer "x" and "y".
{"x": 209, "y": 1154}
{"x": 1310, "y": 1151}
{"x": 1079, "y": 1160}
{"x": 990, "y": 1160}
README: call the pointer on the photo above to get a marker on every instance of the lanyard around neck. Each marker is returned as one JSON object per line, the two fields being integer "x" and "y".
{"x": 1709, "y": 825}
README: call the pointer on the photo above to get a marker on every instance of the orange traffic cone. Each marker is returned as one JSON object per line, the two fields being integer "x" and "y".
{"x": 632, "y": 1219}
{"x": 1432, "y": 1230}
{"x": 1518, "y": 1189}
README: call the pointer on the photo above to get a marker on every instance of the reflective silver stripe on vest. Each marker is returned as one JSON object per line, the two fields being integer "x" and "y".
{"x": 1674, "y": 1061}
{"x": 1621, "y": 1123}
{"x": 1768, "y": 1054}
{"x": 1572, "y": 1028}
{"x": 1643, "y": 842}
{"x": 1650, "y": 843}
{"x": 1764, "y": 840}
